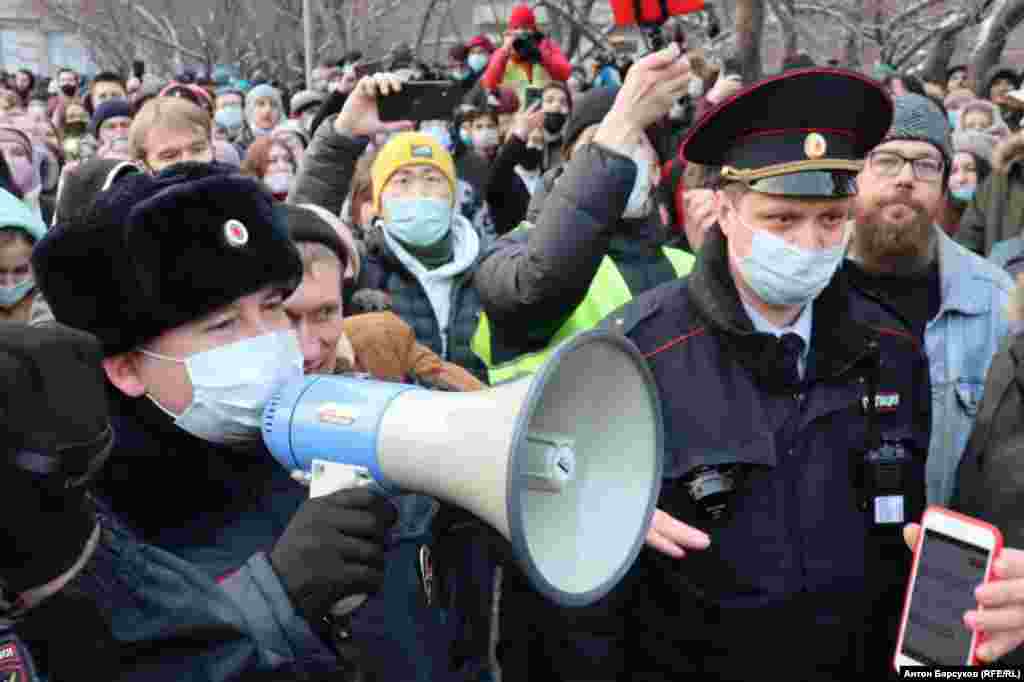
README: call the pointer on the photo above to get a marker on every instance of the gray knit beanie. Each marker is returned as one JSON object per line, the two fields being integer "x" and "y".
{"x": 918, "y": 118}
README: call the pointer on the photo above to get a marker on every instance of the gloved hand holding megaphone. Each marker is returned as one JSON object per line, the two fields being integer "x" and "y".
{"x": 566, "y": 464}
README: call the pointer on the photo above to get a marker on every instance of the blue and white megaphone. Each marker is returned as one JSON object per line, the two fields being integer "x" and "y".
{"x": 565, "y": 464}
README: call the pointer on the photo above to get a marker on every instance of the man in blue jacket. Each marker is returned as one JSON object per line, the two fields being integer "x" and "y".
{"x": 199, "y": 552}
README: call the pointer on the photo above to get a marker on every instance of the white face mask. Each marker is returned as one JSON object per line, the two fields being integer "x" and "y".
{"x": 783, "y": 274}
{"x": 640, "y": 203}
{"x": 232, "y": 383}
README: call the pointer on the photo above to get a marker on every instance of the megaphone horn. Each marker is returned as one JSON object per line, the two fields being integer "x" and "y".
{"x": 566, "y": 464}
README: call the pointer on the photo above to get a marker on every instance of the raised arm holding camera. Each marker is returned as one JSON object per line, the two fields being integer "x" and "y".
{"x": 527, "y": 59}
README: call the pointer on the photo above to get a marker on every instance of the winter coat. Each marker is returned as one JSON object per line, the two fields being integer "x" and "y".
{"x": 507, "y": 192}
{"x": 385, "y": 347}
{"x": 181, "y": 577}
{"x": 440, "y": 305}
{"x": 996, "y": 212}
{"x": 960, "y": 343}
{"x": 990, "y": 480}
{"x": 793, "y": 546}
{"x": 506, "y": 70}
{"x": 531, "y": 281}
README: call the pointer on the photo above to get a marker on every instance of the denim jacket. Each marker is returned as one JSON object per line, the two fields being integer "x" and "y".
{"x": 960, "y": 343}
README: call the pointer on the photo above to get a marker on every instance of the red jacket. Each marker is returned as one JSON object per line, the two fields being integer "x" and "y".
{"x": 551, "y": 59}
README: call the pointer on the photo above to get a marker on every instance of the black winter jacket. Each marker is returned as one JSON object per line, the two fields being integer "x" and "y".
{"x": 531, "y": 281}
{"x": 792, "y": 560}
{"x": 383, "y": 270}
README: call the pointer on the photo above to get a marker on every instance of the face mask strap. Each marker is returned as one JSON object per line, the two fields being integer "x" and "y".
{"x": 160, "y": 357}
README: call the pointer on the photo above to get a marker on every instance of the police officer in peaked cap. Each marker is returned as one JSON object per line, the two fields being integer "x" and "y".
{"x": 796, "y": 418}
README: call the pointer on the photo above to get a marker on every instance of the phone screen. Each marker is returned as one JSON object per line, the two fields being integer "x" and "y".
{"x": 947, "y": 573}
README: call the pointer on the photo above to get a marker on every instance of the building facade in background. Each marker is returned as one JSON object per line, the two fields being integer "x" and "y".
{"x": 29, "y": 40}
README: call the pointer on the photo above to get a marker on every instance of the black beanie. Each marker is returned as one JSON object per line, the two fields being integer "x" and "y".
{"x": 155, "y": 252}
{"x": 304, "y": 225}
{"x": 112, "y": 108}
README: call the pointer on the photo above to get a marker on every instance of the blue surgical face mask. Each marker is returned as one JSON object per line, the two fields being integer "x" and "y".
{"x": 231, "y": 119}
{"x": 466, "y": 137}
{"x": 954, "y": 118}
{"x": 417, "y": 222}
{"x": 13, "y": 295}
{"x": 783, "y": 274}
{"x": 964, "y": 194}
{"x": 477, "y": 62}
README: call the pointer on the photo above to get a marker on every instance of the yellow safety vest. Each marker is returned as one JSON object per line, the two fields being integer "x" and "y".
{"x": 607, "y": 293}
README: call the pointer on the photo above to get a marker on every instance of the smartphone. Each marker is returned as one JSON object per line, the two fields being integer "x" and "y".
{"x": 533, "y": 95}
{"x": 954, "y": 555}
{"x": 368, "y": 68}
{"x": 421, "y": 101}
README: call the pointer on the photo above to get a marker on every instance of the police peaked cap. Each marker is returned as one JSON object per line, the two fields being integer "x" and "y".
{"x": 804, "y": 133}
{"x": 155, "y": 252}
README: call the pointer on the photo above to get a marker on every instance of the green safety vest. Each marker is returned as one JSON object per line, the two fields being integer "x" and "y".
{"x": 607, "y": 293}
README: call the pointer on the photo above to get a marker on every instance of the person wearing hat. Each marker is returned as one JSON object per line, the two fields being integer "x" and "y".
{"x": 110, "y": 125}
{"x": 597, "y": 241}
{"x": 424, "y": 252}
{"x": 215, "y": 563}
{"x": 20, "y": 229}
{"x": 952, "y": 301}
{"x": 264, "y": 109}
{"x": 526, "y": 59}
{"x": 996, "y": 212}
{"x": 764, "y": 357}
{"x": 971, "y": 165}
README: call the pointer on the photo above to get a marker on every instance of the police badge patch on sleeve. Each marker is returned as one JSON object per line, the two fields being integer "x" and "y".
{"x": 15, "y": 660}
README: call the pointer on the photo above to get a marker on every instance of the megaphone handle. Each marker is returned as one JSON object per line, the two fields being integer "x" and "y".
{"x": 326, "y": 478}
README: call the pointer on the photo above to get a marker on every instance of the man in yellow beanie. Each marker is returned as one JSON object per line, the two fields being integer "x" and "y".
{"x": 422, "y": 253}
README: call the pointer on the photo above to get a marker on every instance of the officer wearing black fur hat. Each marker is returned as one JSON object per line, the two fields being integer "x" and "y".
{"x": 210, "y": 562}
{"x": 776, "y": 547}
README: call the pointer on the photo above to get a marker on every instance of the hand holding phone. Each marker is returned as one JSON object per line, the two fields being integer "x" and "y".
{"x": 361, "y": 115}
{"x": 954, "y": 554}
{"x": 420, "y": 101}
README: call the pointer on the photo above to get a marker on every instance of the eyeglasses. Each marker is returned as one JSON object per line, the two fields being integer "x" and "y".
{"x": 890, "y": 164}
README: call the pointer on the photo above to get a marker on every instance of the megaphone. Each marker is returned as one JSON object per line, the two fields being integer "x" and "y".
{"x": 565, "y": 464}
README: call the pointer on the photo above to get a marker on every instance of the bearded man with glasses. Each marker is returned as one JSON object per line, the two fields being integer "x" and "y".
{"x": 952, "y": 301}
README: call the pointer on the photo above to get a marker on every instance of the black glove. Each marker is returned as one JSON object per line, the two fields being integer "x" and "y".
{"x": 55, "y": 433}
{"x": 333, "y": 548}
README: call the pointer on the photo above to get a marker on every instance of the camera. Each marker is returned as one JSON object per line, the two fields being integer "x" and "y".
{"x": 886, "y": 483}
{"x": 528, "y": 47}
{"x": 711, "y": 488}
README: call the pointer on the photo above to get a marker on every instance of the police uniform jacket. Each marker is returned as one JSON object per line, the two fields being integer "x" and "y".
{"x": 793, "y": 580}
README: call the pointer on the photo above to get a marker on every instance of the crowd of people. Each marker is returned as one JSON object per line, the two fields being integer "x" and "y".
{"x": 809, "y": 288}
